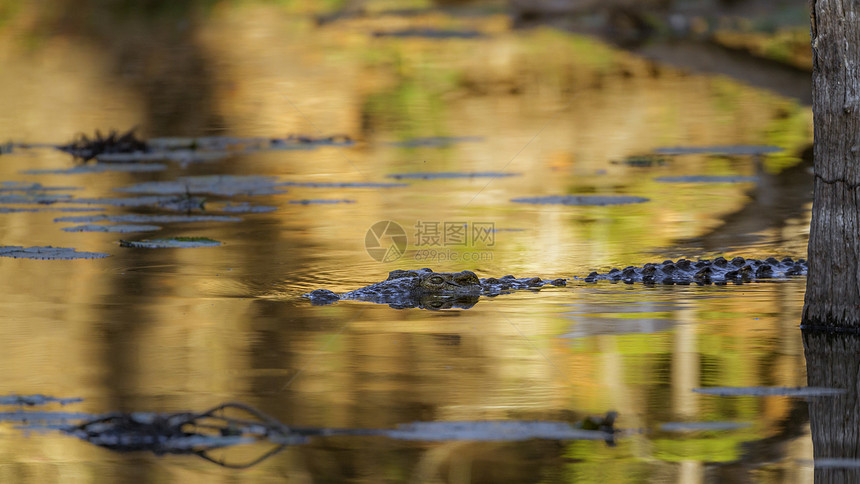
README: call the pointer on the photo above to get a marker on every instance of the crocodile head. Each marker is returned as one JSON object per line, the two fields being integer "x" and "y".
{"x": 426, "y": 289}
{"x": 449, "y": 282}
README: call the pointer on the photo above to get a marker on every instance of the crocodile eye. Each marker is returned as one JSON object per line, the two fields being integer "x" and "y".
{"x": 437, "y": 280}
{"x": 436, "y": 304}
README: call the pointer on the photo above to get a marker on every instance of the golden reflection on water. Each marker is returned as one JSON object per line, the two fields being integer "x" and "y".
{"x": 185, "y": 329}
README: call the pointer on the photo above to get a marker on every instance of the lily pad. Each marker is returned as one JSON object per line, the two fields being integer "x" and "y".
{"x": 495, "y": 431}
{"x": 707, "y": 179}
{"x": 702, "y": 426}
{"x": 170, "y": 243}
{"x": 225, "y": 185}
{"x": 34, "y": 198}
{"x": 342, "y": 185}
{"x": 582, "y": 200}
{"x": 13, "y": 186}
{"x": 436, "y": 141}
{"x": 37, "y": 399}
{"x": 431, "y": 34}
{"x": 320, "y": 201}
{"x": 179, "y": 156}
{"x": 17, "y": 210}
{"x": 123, "y": 229}
{"x": 147, "y": 219}
{"x": 47, "y": 253}
{"x": 100, "y": 168}
{"x": 181, "y": 203}
{"x": 719, "y": 150}
{"x": 440, "y": 175}
{"x": 244, "y": 207}
{"x": 770, "y": 391}
{"x": 211, "y": 143}
{"x": 310, "y": 142}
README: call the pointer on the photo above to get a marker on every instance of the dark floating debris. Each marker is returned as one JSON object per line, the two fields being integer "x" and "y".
{"x": 320, "y": 201}
{"x": 147, "y": 219}
{"x": 441, "y": 175}
{"x": 719, "y": 150}
{"x": 771, "y": 391}
{"x": 36, "y": 399}
{"x": 431, "y": 34}
{"x": 188, "y": 433}
{"x": 582, "y": 200}
{"x": 47, "y": 253}
{"x": 702, "y": 426}
{"x": 119, "y": 228}
{"x": 170, "y": 243}
{"x": 707, "y": 179}
{"x": 86, "y": 148}
{"x": 436, "y": 141}
{"x": 233, "y": 424}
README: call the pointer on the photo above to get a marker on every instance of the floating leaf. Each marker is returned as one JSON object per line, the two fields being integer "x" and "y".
{"x": 170, "y": 243}
{"x": 100, "y": 168}
{"x": 13, "y": 186}
{"x": 179, "y": 156}
{"x": 718, "y": 150}
{"x": 112, "y": 228}
{"x": 47, "y": 253}
{"x": 702, "y": 426}
{"x": 495, "y": 431}
{"x": 441, "y": 175}
{"x": 225, "y": 185}
{"x": 342, "y": 185}
{"x": 320, "y": 201}
{"x": 770, "y": 391}
{"x": 37, "y": 399}
{"x": 244, "y": 207}
{"x": 582, "y": 200}
{"x": 436, "y": 141}
{"x": 706, "y": 179}
{"x": 431, "y": 34}
{"x": 147, "y": 219}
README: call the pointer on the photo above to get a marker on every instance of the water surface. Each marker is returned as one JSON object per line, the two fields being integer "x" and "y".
{"x": 187, "y": 328}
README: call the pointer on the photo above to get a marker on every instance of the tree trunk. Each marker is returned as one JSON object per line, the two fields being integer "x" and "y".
{"x": 831, "y": 311}
{"x": 833, "y": 361}
{"x": 833, "y": 285}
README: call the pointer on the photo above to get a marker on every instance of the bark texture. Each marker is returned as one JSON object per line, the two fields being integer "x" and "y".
{"x": 833, "y": 285}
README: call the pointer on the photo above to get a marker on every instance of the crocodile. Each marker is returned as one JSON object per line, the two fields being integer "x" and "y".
{"x": 425, "y": 289}
{"x": 705, "y": 271}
